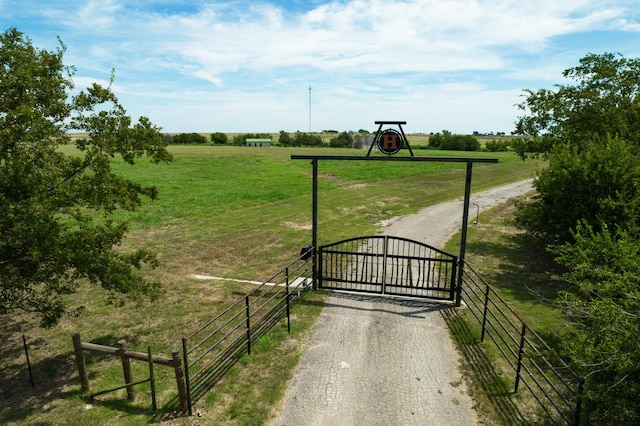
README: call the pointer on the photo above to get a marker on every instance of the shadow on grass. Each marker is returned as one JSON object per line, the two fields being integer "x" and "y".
{"x": 51, "y": 373}
{"x": 309, "y": 302}
{"x": 495, "y": 391}
{"x": 522, "y": 265}
{"x": 523, "y": 269}
{"x": 55, "y": 376}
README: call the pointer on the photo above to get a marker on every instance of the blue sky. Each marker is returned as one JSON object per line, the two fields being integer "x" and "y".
{"x": 246, "y": 66}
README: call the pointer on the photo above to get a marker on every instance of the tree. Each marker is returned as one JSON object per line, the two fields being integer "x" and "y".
{"x": 285, "y": 139}
{"x": 596, "y": 182}
{"x": 447, "y": 141}
{"x": 435, "y": 141}
{"x": 587, "y": 209}
{"x": 219, "y": 138}
{"x": 602, "y": 306}
{"x": 460, "y": 143}
{"x": 306, "y": 139}
{"x": 189, "y": 138}
{"x": 605, "y": 100}
{"x": 497, "y": 146}
{"x": 56, "y": 226}
{"x": 343, "y": 140}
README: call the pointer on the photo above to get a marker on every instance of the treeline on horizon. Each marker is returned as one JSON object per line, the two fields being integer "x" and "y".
{"x": 347, "y": 139}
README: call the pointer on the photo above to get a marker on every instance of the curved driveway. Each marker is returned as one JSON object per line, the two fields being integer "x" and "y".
{"x": 378, "y": 361}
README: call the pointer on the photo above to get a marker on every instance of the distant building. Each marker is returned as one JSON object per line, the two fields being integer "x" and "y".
{"x": 363, "y": 141}
{"x": 257, "y": 142}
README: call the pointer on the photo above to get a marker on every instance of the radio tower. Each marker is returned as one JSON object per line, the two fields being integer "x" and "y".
{"x": 309, "y": 109}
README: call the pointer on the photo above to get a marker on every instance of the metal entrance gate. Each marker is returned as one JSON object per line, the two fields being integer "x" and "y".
{"x": 387, "y": 265}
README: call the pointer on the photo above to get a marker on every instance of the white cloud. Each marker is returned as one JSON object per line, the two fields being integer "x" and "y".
{"x": 372, "y": 36}
{"x": 99, "y": 14}
{"x": 627, "y": 25}
{"x": 190, "y": 62}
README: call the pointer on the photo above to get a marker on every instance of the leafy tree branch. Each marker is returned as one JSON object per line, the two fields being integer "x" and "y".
{"x": 56, "y": 229}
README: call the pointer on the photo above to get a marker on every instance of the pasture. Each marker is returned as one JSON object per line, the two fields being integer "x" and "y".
{"x": 233, "y": 212}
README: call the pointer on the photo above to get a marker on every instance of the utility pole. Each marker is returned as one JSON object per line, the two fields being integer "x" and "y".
{"x": 309, "y": 109}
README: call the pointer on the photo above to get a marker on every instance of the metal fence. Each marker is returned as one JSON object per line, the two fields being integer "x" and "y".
{"x": 216, "y": 346}
{"x": 537, "y": 367}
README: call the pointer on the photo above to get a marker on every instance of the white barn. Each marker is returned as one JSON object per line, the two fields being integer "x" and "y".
{"x": 257, "y": 142}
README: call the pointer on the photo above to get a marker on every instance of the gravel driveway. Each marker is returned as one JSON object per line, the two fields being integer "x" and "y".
{"x": 380, "y": 361}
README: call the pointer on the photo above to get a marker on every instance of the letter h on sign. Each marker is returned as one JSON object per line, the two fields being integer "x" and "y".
{"x": 390, "y": 142}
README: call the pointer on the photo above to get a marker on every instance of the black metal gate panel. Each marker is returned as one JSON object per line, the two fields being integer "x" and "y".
{"x": 387, "y": 265}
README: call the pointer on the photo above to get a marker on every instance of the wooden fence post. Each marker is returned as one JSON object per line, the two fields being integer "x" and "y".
{"x": 182, "y": 390}
{"x": 82, "y": 367}
{"x": 126, "y": 369}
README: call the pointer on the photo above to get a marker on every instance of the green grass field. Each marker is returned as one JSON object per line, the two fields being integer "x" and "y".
{"x": 521, "y": 271}
{"x": 233, "y": 212}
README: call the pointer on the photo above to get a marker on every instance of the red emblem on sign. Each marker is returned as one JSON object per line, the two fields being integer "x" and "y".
{"x": 389, "y": 142}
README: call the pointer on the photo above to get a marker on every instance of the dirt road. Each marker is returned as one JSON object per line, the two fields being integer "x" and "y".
{"x": 374, "y": 361}
{"x": 433, "y": 225}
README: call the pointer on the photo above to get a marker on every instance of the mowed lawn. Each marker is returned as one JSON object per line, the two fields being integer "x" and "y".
{"x": 232, "y": 212}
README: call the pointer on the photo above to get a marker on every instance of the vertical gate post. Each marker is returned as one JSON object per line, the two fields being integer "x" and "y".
{"x": 520, "y": 355}
{"x": 126, "y": 369}
{"x": 286, "y": 295}
{"x": 484, "y": 312}
{"x": 185, "y": 381}
{"x": 82, "y": 367}
{"x": 456, "y": 292}
{"x": 463, "y": 239}
{"x": 320, "y": 268}
{"x": 248, "y": 313}
{"x": 152, "y": 380}
{"x": 314, "y": 223}
{"x": 183, "y": 396}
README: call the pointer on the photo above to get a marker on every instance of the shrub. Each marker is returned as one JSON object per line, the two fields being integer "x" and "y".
{"x": 219, "y": 138}
{"x": 497, "y": 146}
{"x": 447, "y": 141}
{"x": 189, "y": 138}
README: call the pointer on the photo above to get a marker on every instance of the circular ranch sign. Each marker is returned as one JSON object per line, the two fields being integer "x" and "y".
{"x": 389, "y": 142}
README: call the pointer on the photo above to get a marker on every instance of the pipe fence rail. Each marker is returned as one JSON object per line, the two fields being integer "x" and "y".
{"x": 552, "y": 383}
{"x": 217, "y": 345}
